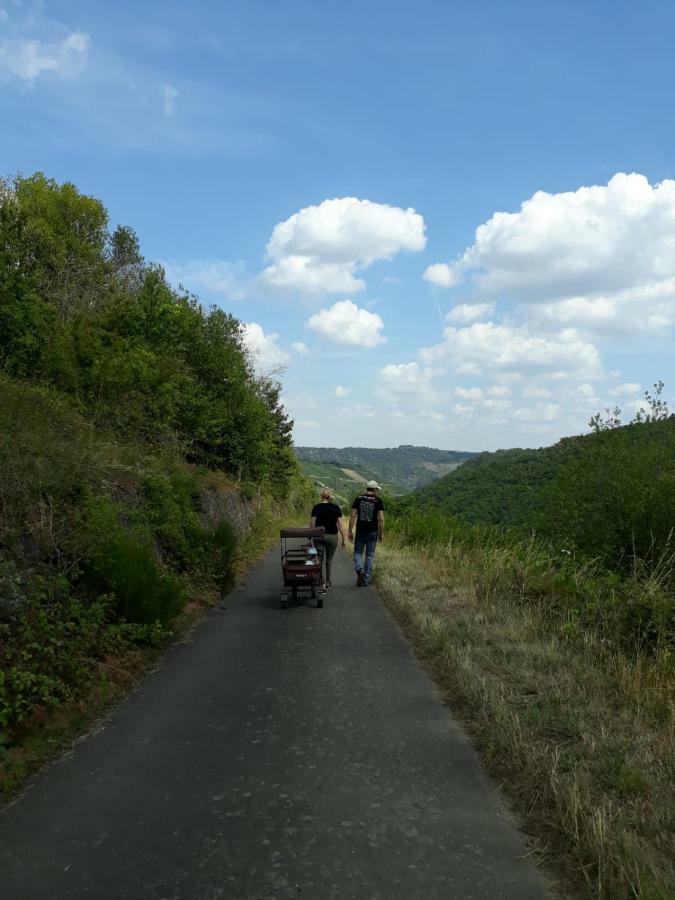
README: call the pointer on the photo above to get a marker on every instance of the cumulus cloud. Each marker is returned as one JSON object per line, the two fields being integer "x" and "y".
{"x": 647, "y": 307}
{"x": 345, "y": 323}
{"x": 264, "y": 349}
{"x": 299, "y": 347}
{"x": 630, "y": 389}
{"x": 536, "y": 392}
{"x": 547, "y": 412}
{"x": 26, "y": 58}
{"x": 215, "y": 276}
{"x": 464, "y": 313}
{"x": 440, "y": 274}
{"x": 431, "y": 415}
{"x": 405, "y": 378}
{"x": 487, "y": 346}
{"x": 321, "y": 248}
{"x": 601, "y": 258}
{"x": 408, "y": 386}
{"x": 474, "y": 393}
{"x": 499, "y": 390}
{"x": 309, "y": 275}
{"x": 342, "y": 391}
{"x": 359, "y": 411}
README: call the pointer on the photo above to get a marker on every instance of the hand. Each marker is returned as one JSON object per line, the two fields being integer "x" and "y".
{"x": 351, "y": 536}
{"x": 380, "y": 538}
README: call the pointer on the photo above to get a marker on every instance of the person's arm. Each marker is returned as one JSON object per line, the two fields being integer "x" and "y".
{"x": 312, "y": 522}
{"x": 380, "y": 525}
{"x": 352, "y": 519}
{"x": 341, "y": 529}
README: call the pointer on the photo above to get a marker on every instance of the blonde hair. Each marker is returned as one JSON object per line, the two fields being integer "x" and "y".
{"x": 326, "y": 493}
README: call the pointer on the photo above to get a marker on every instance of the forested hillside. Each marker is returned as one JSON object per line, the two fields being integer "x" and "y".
{"x": 609, "y": 493}
{"x": 137, "y": 446}
{"x": 398, "y": 469}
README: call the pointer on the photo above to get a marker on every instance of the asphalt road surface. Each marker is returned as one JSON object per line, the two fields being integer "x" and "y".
{"x": 276, "y": 754}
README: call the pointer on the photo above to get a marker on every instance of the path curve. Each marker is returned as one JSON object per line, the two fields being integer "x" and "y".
{"x": 276, "y": 754}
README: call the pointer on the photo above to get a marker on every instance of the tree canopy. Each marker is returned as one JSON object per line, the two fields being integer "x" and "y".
{"x": 81, "y": 310}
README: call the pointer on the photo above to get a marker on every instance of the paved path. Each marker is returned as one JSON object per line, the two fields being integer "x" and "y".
{"x": 278, "y": 754}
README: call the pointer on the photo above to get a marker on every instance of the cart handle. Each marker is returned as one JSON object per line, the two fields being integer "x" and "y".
{"x": 302, "y": 532}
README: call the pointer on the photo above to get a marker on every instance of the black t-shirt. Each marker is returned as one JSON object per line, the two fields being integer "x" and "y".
{"x": 367, "y": 507}
{"x": 327, "y": 515}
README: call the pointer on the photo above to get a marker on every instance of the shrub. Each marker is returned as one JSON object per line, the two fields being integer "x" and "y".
{"x": 123, "y": 563}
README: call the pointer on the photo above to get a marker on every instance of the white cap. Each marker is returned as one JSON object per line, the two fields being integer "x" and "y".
{"x": 373, "y": 486}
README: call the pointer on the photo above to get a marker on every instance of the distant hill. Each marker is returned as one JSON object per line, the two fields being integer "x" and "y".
{"x": 398, "y": 469}
{"x": 600, "y": 493}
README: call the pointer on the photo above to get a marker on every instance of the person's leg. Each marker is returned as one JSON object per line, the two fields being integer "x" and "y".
{"x": 359, "y": 547}
{"x": 371, "y": 546}
{"x": 330, "y": 546}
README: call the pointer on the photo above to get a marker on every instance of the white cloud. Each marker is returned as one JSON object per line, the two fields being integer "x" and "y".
{"x": 536, "y": 392}
{"x": 405, "y": 378}
{"x": 585, "y": 390}
{"x": 308, "y": 275}
{"x": 601, "y": 258}
{"x": 215, "y": 276}
{"x": 499, "y": 390}
{"x": 547, "y": 412}
{"x": 431, "y": 415}
{"x": 346, "y": 323}
{"x": 469, "y": 393}
{"x": 342, "y": 391}
{"x": 359, "y": 411}
{"x": 464, "y": 313}
{"x": 647, "y": 307}
{"x": 264, "y": 349}
{"x": 169, "y": 96}
{"x": 299, "y": 347}
{"x": 26, "y": 58}
{"x": 320, "y": 248}
{"x": 486, "y": 346}
{"x": 625, "y": 390}
{"x": 440, "y": 274}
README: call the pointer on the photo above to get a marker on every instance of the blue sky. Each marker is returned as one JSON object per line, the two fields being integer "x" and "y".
{"x": 449, "y": 224}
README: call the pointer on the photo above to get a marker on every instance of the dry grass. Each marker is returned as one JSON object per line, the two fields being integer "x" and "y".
{"x": 581, "y": 738}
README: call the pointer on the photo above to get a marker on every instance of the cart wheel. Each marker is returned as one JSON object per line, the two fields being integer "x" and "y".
{"x": 319, "y": 601}
{"x": 284, "y": 601}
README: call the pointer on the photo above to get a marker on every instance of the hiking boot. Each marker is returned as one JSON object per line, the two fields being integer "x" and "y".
{"x": 360, "y": 579}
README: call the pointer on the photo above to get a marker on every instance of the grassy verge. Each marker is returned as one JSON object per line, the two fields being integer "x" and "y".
{"x": 580, "y": 734}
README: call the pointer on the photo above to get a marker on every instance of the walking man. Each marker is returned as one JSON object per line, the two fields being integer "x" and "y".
{"x": 368, "y": 515}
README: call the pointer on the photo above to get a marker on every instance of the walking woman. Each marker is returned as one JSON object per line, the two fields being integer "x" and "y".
{"x": 328, "y": 515}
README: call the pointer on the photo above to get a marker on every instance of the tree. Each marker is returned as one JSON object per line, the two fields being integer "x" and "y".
{"x": 658, "y": 410}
